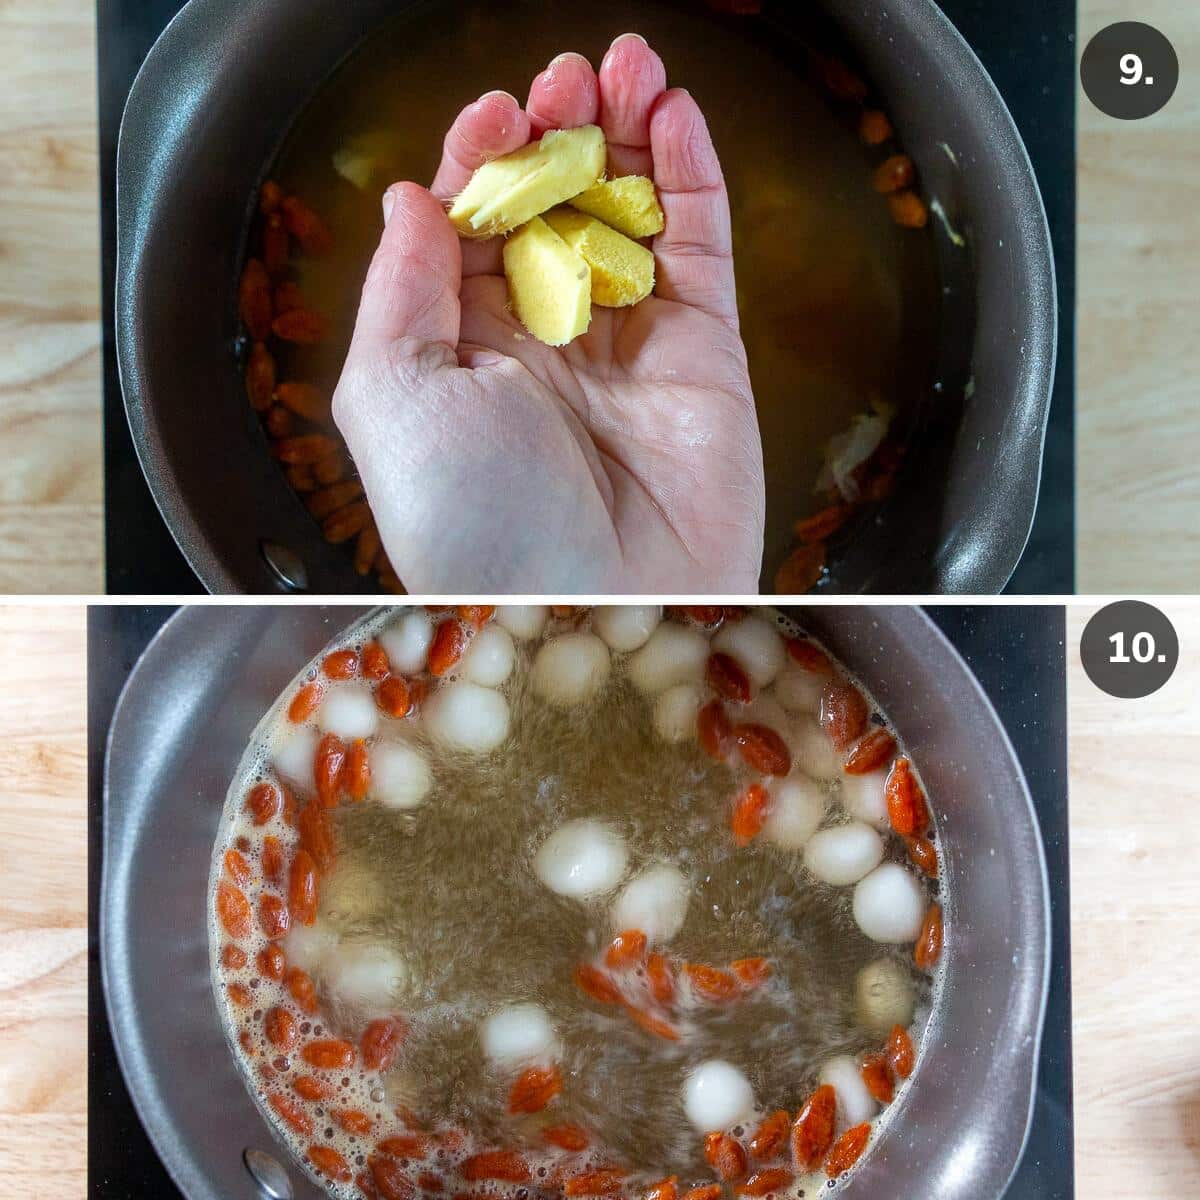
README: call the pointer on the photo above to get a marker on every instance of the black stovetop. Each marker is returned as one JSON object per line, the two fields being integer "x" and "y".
{"x": 1016, "y": 653}
{"x": 1027, "y": 45}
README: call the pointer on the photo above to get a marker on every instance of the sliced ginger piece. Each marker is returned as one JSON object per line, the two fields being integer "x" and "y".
{"x": 622, "y": 270}
{"x": 549, "y": 284}
{"x": 513, "y": 189}
{"x": 629, "y": 204}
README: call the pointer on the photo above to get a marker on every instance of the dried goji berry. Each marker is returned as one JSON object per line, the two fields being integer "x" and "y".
{"x": 847, "y": 1150}
{"x": 476, "y": 616}
{"x": 711, "y": 983}
{"x": 725, "y": 1155}
{"x": 301, "y": 326}
{"x": 763, "y": 749}
{"x": 404, "y": 1145}
{"x": 263, "y": 802}
{"x": 310, "y": 404}
{"x": 769, "y": 1138}
{"x": 844, "y": 713}
{"x": 626, "y": 950}
{"x": 390, "y": 1178}
{"x": 604, "y": 1181}
{"x": 233, "y": 958}
{"x": 394, "y": 697}
{"x": 254, "y": 300}
{"x": 715, "y": 730}
{"x": 594, "y": 983}
{"x": 924, "y": 854}
{"x": 291, "y": 1112}
{"x": 272, "y": 859}
{"x": 341, "y": 664}
{"x": 239, "y": 994}
{"x": 358, "y": 770}
{"x": 302, "y": 888}
{"x": 653, "y": 1024}
{"x": 812, "y": 1131}
{"x": 871, "y": 753}
{"x": 375, "y": 665}
{"x": 874, "y": 128}
{"x": 900, "y": 1051}
{"x": 329, "y": 1162}
{"x": 236, "y": 867}
{"x": 272, "y": 962}
{"x": 802, "y": 651}
{"x": 306, "y": 227}
{"x": 660, "y": 978}
{"x": 276, "y": 246}
{"x": 929, "y": 941}
{"x": 906, "y": 806}
{"x": 352, "y": 1120}
{"x": 708, "y": 1191}
{"x": 316, "y": 835}
{"x": 822, "y": 525}
{"x": 346, "y": 523}
{"x": 233, "y": 911}
{"x": 764, "y": 1183}
{"x": 534, "y": 1089}
{"x": 302, "y": 989}
{"x": 750, "y": 811}
{"x": 260, "y": 378}
{"x": 305, "y": 448}
{"x": 567, "y": 1137}
{"x": 280, "y": 1028}
{"x": 312, "y": 1088}
{"x": 664, "y": 1189}
{"x": 751, "y": 972}
{"x": 449, "y": 642}
{"x": 727, "y": 678}
{"x": 894, "y": 173}
{"x": 504, "y": 1165}
{"x": 877, "y": 1075}
{"x": 305, "y": 702}
{"x": 328, "y": 1054}
{"x": 908, "y": 210}
{"x": 273, "y": 917}
{"x": 327, "y": 768}
{"x": 381, "y": 1042}
{"x": 704, "y": 614}
{"x": 269, "y": 197}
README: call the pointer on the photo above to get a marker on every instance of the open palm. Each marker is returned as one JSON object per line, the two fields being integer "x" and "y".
{"x": 628, "y": 461}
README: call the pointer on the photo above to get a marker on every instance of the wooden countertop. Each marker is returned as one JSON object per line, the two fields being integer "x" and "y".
{"x": 1135, "y": 842}
{"x": 1139, "y": 353}
{"x": 43, "y": 903}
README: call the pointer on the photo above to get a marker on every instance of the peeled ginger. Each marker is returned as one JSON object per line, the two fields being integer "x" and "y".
{"x": 622, "y": 271}
{"x": 629, "y": 204}
{"x": 549, "y": 284}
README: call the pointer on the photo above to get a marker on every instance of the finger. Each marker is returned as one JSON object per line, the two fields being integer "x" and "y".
{"x": 495, "y": 124}
{"x": 632, "y": 78}
{"x": 412, "y": 288}
{"x": 564, "y": 96}
{"x": 694, "y": 252}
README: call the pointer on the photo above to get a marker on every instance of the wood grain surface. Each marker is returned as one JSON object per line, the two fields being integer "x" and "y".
{"x": 1135, "y": 928}
{"x": 43, "y": 904}
{"x": 51, "y": 488}
{"x": 1138, "y": 420}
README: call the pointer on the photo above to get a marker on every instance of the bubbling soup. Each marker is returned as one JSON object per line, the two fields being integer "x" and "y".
{"x": 837, "y": 284}
{"x": 578, "y": 902}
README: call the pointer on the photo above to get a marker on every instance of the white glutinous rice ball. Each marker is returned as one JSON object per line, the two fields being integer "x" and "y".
{"x": 674, "y": 654}
{"x": 654, "y": 901}
{"x": 884, "y": 996}
{"x": 571, "y": 669}
{"x": 765, "y": 710}
{"x": 309, "y": 946}
{"x": 582, "y": 858}
{"x": 756, "y": 645}
{"x": 890, "y": 904}
{"x": 813, "y": 752}
{"x": 855, "y": 1104}
{"x": 863, "y": 797}
{"x": 292, "y": 757}
{"x": 518, "y": 1035}
{"x": 407, "y": 642}
{"x": 523, "y": 621}
{"x": 626, "y": 627}
{"x": 717, "y": 1096}
{"x": 844, "y": 854}
{"x": 365, "y": 978}
{"x": 798, "y": 690}
{"x": 675, "y": 712}
{"x": 465, "y": 716}
{"x": 796, "y": 812}
{"x": 489, "y": 659}
{"x": 400, "y": 775}
{"x": 349, "y": 711}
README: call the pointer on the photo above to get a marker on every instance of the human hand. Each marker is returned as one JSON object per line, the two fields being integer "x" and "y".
{"x": 629, "y": 461}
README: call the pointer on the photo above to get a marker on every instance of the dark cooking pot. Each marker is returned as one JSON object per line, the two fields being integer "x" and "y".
{"x": 208, "y": 112}
{"x": 180, "y": 729}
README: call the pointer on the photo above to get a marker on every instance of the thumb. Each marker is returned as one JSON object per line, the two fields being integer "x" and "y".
{"x": 411, "y": 291}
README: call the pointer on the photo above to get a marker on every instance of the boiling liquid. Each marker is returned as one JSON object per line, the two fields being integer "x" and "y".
{"x": 839, "y": 307}
{"x": 450, "y": 889}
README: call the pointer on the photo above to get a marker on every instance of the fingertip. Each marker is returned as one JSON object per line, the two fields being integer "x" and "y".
{"x": 685, "y": 158}
{"x": 564, "y": 95}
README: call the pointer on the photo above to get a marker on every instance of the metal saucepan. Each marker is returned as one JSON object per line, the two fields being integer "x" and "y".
{"x": 206, "y": 116}
{"x": 184, "y": 720}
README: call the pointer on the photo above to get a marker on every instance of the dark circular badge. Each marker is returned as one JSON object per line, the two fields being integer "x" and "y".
{"x": 1129, "y": 70}
{"x": 1129, "y": 649}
